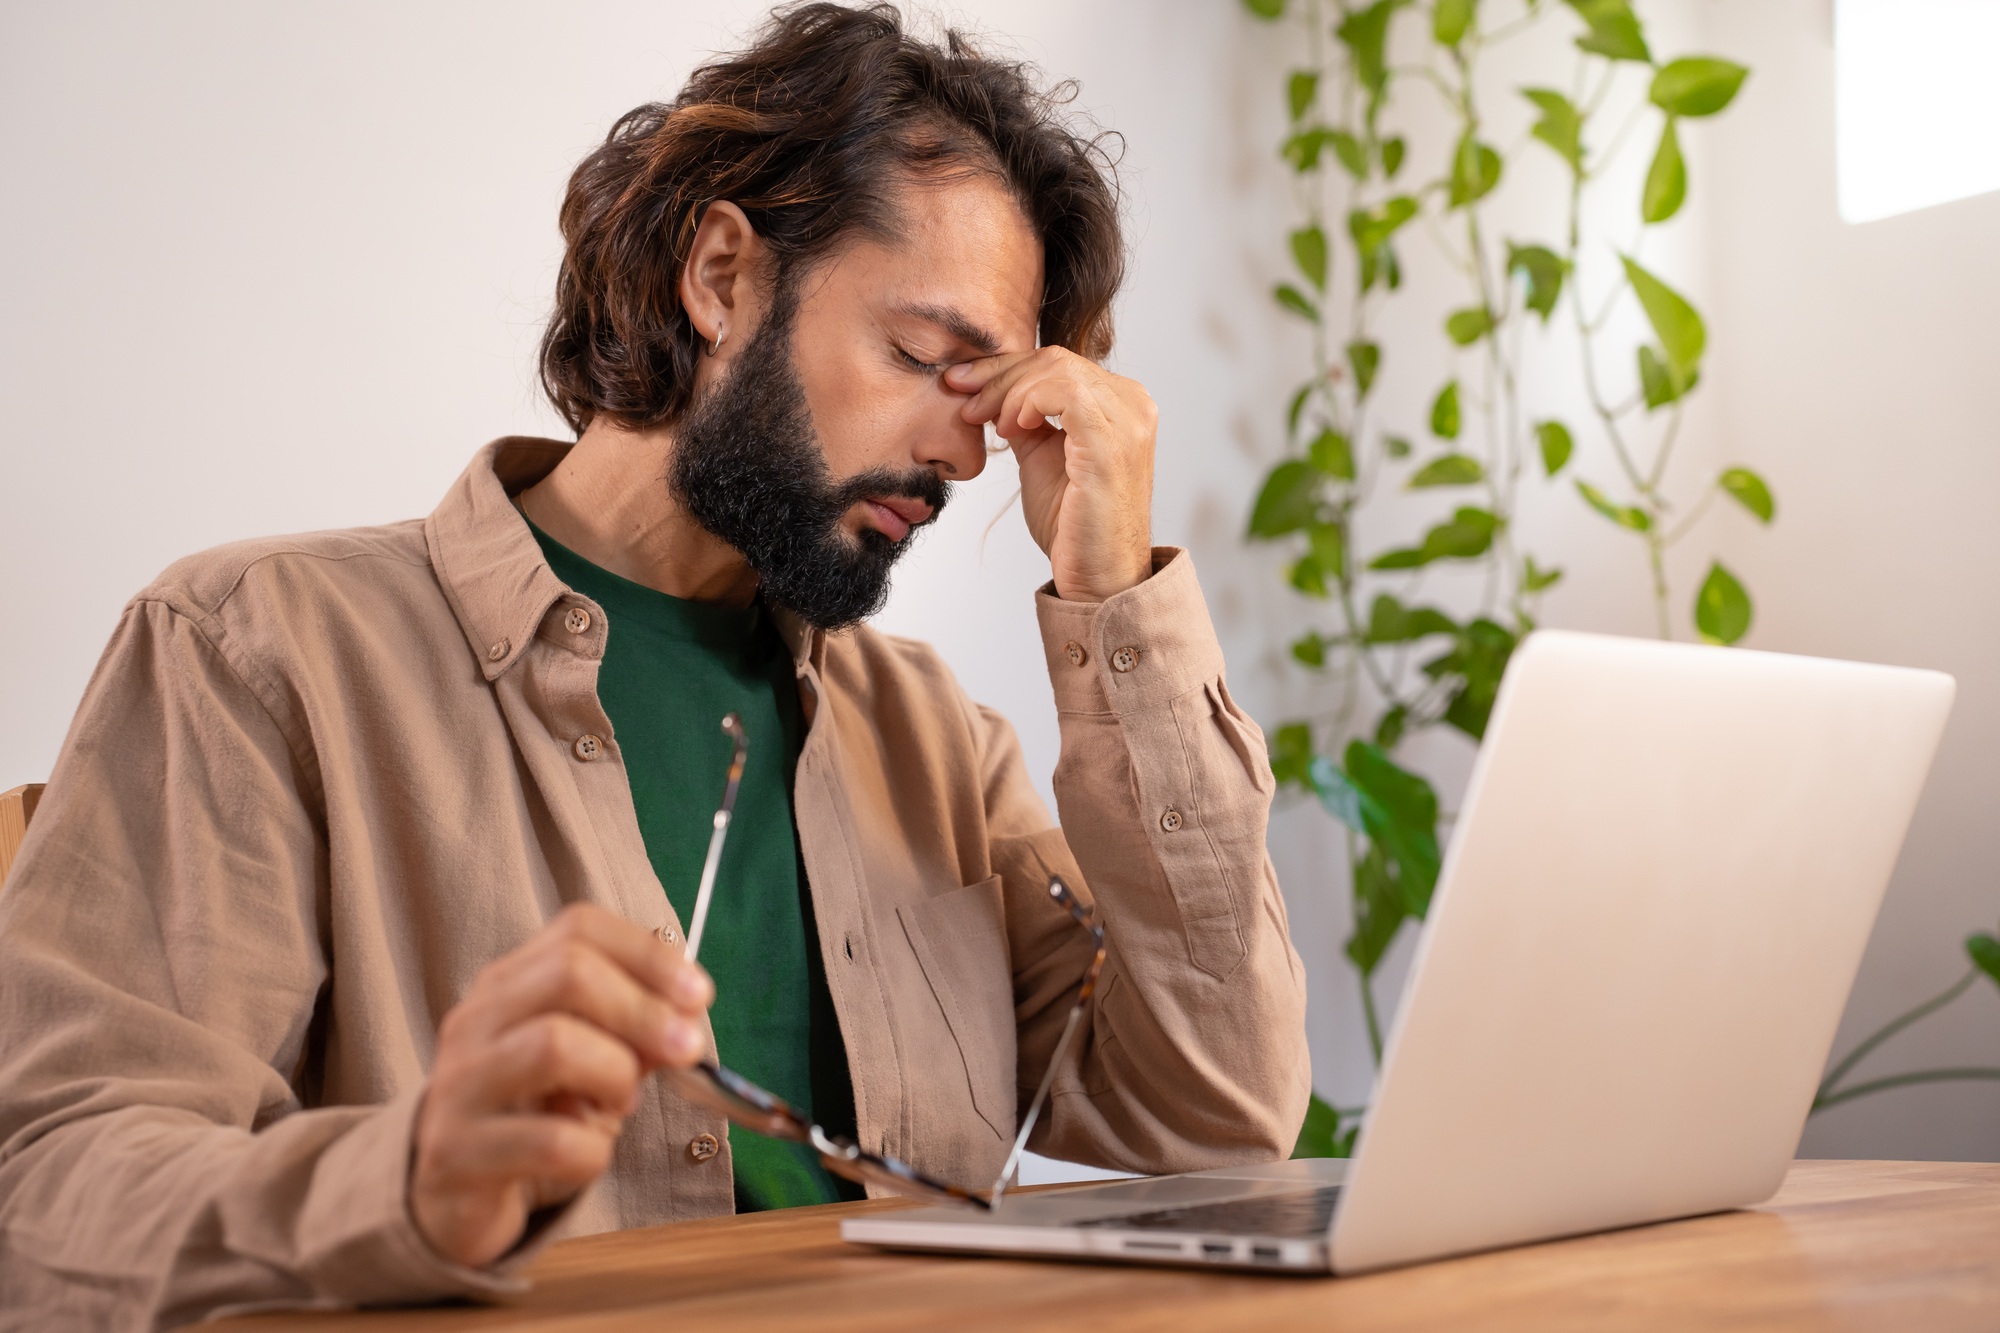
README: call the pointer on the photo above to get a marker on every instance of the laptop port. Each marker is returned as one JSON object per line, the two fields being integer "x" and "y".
{"x": 1218, "y": 1249}
{"x": 1264, "y": 1254}
{"x": 1154, "y": 1246}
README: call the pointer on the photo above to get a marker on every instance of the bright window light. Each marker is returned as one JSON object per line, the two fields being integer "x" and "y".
{"x": 1917, "y": 106}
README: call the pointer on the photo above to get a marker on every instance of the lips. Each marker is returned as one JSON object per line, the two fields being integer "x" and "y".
{"x": 896, "y": 515}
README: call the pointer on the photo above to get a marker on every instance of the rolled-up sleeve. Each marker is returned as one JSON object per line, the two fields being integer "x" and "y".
{"x": 161, "y": 959}
{"x": 1196, "y": 1055}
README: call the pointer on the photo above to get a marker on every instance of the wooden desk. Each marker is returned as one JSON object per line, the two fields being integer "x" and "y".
{"x": 1909, "y": 1246}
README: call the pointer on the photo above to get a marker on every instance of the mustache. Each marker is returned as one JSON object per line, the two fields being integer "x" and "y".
{"x": 916, "y": 483}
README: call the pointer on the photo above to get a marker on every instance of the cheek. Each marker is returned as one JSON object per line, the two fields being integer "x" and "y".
{"x": 871, "y": 416}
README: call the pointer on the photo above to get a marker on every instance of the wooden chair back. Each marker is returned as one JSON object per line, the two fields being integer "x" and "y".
{"x": 17, "y": 807}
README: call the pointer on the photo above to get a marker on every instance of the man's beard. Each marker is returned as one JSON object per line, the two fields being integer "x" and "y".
{"x": 749, "y": 466}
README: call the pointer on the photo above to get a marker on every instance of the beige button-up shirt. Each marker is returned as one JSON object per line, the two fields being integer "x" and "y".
{"x": 317, "y": 783}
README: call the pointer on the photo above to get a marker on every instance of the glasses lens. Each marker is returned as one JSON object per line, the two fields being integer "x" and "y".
{"x": 866, "y": 1168}
{"x": 729, "y": 1094}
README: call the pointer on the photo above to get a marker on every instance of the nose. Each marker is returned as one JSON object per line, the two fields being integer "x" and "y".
{"x": 951, "y": 447}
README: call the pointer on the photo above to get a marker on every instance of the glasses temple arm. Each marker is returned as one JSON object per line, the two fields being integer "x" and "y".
{"x": 734, "y": 727}
{"x": 1035, "y": 1106}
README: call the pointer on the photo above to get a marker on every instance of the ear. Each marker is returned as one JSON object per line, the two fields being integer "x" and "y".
{"x": 720, "y": 285}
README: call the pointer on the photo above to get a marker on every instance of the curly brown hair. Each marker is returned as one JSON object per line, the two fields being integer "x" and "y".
{"x": 807, "y": 131}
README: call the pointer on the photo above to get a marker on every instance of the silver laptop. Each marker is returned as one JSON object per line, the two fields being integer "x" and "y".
{"x": 1654, "y": 903}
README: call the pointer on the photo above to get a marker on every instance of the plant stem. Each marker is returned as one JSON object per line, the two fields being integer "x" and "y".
{"x": 1903, "y": 1081}
{"x": 1368, "y": 1011}
{"x": 1888, "y": 1030}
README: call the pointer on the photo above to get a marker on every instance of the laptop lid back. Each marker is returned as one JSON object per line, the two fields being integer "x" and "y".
{"x": 1666, "y": 868}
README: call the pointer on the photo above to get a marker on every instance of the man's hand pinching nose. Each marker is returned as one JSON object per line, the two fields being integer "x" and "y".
{"x": 537, "y": 1069}
{"x": 1086, "y": 484}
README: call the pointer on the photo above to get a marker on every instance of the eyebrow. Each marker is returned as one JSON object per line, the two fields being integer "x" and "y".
{"x": 956, "y": 324}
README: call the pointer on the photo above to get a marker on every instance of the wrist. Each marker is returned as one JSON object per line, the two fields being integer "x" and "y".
{"x": 1107, "y": 581}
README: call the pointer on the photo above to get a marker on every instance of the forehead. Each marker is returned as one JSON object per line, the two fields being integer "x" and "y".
{"x": 962, "y": 245}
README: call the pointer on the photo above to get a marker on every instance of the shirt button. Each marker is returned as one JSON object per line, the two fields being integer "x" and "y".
{"x": 1171, "y": 821}
{"x": 577, "y": 621}
{"x": 1124, "y": 659}
{"x": 498, "y": 650}
{"x": 1077, "y": 657}
{"x": 667, "y": 935}
{"x": 702, "y": 1147}
{"x": 587, "y": 747}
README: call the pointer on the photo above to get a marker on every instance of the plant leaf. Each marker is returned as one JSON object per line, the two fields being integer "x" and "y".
{"x": 1364, "y": 358}
{"x": 1390, "y": 729}
{"x": 1680, "y": 330}
{"x": 1614, "y": 30}
{"x": 1306, "y": 576}
{"x": 1302, "y": 149}
{"x": 1667, "y": 179}
{"x": 1478, "y": 659}
{"x": 1310, "y": 649}
{"x": 1320, "y": 1135}
{"x": 1292, "y": 754}
{"x": 1467, "y": 535}
{"x": 1444, "y": 412}
{"x": 1469, "y": 325}
{"x": 1661, "y": 383}
{"x": 1389, "y": 621}
{"x": 1350, "y": 152}
{"x": 1556, "y": 445}
{"x": 1396, "y": 446}
{"x": 1697, "y": 85}
{"x": 1625, "y": 516}
{"x": 1335, "y": 792}
{"x": 1287, "y": 501}
{"x": 1449, "y": 470}
{"x": 1332, "y": 454}
{"x": 1265, "y": 9}
{"x": 1544, "y": 270}
{"x": 1560, "y": 125}
{"x": 1294, "y": 300}
{"x": 1452, "y": 19}
{"x": 1984, "y": 951}
{"x": 1379, "y": 911}
{"x": 1748, "y": 489}
{"x": 1327, "y": 543}
{"x": 1309, "y": 252}
{"x": 1475, "y": 170}
{"x": 1392, "y": 155}
{"x": 1296, "y": 406}
{"x": 1722, "y": 607}
{"x": 1365, "y": 33}
{"x": 1300, "y": 90}
{"x": 1399, "y": 813}
{"x": 1535, "y": 579}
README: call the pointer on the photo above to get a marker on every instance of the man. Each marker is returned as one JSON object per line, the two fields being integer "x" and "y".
{"x": 349, "y": 932}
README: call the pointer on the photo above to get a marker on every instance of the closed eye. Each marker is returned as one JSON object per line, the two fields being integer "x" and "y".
{"x": 923, "y": 367}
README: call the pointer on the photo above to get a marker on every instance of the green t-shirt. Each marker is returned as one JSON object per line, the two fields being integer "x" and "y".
{"x": 671, "y": 669}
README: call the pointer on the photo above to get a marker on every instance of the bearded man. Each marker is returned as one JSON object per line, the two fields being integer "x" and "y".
{"x": 349, "y": 935}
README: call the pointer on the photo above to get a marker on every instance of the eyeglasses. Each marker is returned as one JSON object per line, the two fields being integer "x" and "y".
{"x": 729, "y": 1094}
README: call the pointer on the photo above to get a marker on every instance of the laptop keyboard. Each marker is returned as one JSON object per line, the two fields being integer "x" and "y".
{"x": 1303, "y": 1214}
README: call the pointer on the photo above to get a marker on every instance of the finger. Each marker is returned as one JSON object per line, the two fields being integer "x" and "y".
{"x": 985, "y": 405}
{"x": 549, "y": 1149}
{"x": 547, "y": 1057}
{"x": 971, "y": 376}
{"x": 664, "y": 970}
{"x": 566, "y": 975}
{"x": 1031, "y": 403}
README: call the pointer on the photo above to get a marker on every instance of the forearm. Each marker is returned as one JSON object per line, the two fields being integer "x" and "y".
{"x": 1198, "y": 1051}
{"x": 150, "y": 1216}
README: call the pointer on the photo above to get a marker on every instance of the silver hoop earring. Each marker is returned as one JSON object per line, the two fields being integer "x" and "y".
{"x": 715, "y": 346}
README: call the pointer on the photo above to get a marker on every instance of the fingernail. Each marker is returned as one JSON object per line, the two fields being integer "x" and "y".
{"x": 691, "y": 987}
{"x": 684, "y": 1043}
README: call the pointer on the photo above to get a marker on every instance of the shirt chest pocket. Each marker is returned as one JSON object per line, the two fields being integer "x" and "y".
{"x": 960, "y": 940}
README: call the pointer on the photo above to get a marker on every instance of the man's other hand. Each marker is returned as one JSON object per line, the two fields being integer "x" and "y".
{"x": 537, "y": 1069}
{"x": 1086, "y": 485}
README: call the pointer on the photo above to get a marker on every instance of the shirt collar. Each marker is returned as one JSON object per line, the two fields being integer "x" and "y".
{"x": 492, "y": 569}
